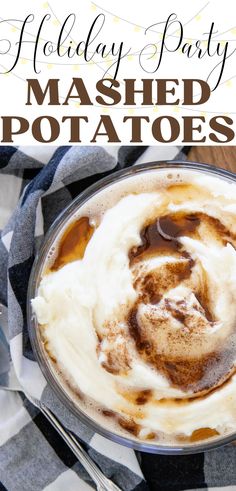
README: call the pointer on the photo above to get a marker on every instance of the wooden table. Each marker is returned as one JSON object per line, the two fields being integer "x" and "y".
{"x": 221, "y": 156}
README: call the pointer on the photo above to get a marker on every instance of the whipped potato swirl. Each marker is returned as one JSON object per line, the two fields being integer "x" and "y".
{"x": 143, "y": 321}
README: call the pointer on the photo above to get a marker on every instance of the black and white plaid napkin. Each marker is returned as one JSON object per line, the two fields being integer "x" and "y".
{"x": 32, "y": 455}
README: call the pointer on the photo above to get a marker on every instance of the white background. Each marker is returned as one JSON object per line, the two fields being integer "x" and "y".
{"x": 124, "y": 21}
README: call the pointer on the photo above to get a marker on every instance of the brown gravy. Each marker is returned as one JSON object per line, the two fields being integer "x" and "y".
{"x": 162, "y": 238}
{"x": 73, "y": 243}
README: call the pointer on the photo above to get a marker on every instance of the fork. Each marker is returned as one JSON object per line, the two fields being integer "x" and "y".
{"x": 101, "y": 481}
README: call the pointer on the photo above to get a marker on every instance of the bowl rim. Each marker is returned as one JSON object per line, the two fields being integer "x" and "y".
{"x": 38, "y": 350}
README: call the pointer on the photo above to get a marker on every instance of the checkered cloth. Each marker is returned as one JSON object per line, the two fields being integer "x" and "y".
{"x": 32, "y": 455}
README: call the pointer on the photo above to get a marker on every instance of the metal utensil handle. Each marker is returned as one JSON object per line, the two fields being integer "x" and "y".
{"x": 101, "y": 481}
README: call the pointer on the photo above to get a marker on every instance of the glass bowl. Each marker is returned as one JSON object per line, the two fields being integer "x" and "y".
{"x": 45, "y": 364}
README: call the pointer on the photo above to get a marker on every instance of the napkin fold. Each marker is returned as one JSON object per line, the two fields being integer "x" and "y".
{"x": 36, "y": 183}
